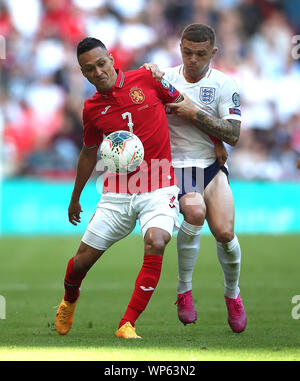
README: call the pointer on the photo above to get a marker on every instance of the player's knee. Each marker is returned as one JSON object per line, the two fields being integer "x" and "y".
{"x": 156, "y": 243}
{"x": 155, "y": 246}
{"x": 195, "y": 216}
{"x": 224, "y": 235}
{"x": 193, "y": 207}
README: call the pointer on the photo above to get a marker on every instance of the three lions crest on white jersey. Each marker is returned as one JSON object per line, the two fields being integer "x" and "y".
{"x": 215, "y": 94}
{"x": 207, "y": 95}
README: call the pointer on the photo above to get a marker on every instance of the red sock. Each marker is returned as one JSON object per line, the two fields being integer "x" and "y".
{"x": 72, "y": 282}
{"x": 144, "y": 287}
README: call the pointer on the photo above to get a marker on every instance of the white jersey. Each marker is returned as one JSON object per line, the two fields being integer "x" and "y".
{"x": 217, "y": 95}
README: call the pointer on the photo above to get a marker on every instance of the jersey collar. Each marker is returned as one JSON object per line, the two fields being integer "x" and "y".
{"x": 119, "y": 83}
{"x": 207, "y": 74}
{"x": 120, "y": 79}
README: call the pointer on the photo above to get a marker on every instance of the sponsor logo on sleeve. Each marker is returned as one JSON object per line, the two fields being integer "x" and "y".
{"x": 236, "y": 111}
{"x": 165, "y": 84}
{"x": 171, "y": 91}
{"x": 236, "y": 99}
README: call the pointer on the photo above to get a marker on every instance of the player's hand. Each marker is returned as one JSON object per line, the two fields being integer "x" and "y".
{"x": 74, "y": 212}
{"x": 221, "y": 152}
{"x": 156, "y": 72}
{"x": 184, "y": 109}
{"x": 298, "y": 163}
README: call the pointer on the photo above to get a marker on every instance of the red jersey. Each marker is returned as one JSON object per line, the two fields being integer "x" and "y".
{"x": 135, "y": 103}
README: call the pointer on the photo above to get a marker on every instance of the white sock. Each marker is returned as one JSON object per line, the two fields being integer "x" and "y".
{"x": 229, "y": 255}
{"x": 188, "y": 244}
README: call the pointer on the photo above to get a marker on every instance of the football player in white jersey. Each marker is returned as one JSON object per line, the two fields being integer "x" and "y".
{"x": 211, "y": 108}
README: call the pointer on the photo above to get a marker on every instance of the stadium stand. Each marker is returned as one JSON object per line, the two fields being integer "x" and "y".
{"x": 42, "y": 92}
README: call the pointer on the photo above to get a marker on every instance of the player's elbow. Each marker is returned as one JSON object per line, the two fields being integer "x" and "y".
{"x": 234, "y": 132}
{"x": 87, "y": 159}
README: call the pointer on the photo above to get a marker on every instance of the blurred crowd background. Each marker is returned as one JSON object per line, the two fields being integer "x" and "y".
{"x": 42, "y": 89}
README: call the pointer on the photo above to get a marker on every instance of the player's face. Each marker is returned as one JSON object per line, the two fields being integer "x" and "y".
{"x": 98, "y": 67}
{"x": 196, "y": 57}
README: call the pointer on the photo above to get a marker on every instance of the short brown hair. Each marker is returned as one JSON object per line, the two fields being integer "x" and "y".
{"x": 199, "y": 33}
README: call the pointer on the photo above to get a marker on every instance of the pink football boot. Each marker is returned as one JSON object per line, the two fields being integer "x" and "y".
{"x": 237, "y": 318}
{"x": 185, "y": 308}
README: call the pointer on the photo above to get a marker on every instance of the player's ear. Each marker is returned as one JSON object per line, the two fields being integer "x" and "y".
{"x": 81, "y": 69}
{"x": 214, "y": 51}
{"x": 111, "y": 58}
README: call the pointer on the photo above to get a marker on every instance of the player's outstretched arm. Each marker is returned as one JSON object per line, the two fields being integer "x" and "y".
{"x": 227, "y": 130}
{"x": 86, "y": 163}
{"x": 220, "y": 149}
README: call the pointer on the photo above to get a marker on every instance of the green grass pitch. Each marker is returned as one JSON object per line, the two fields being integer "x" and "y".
{"x": 31, "y": 281}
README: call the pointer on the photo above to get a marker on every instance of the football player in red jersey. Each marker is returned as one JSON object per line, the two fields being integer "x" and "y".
{"x": 133, "y": 100}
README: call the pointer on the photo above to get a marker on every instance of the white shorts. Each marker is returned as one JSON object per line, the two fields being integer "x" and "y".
{"x": 117, "y": 213}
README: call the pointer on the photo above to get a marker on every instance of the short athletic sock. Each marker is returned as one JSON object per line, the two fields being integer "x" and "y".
{"x": 72, "y": 282}
{"x": 229, "y": 255}
{"x": 145, "y": 285}
{"x": 188, "y": 245}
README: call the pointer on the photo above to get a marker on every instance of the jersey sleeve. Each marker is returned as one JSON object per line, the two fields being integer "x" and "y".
{"x": 92, "y": 137}
{"x": 229, "y": 106}
{"x": 165, "y": 91}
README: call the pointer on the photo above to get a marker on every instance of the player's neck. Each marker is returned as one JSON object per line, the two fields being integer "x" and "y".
{"x": 195, "y": 78}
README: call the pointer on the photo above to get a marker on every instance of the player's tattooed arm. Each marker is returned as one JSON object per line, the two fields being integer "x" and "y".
{"x": 225, "y": 130}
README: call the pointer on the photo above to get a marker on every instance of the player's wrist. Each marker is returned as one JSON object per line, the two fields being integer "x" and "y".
{"x": 75, "y": 197}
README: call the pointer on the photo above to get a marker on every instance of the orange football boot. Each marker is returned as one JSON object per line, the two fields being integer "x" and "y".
{"x": 126, "y": 331}
{"x": 64, "y": 317}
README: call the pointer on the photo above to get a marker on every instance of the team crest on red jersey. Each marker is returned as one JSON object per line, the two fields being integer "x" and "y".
{"x": 137, "y": 95}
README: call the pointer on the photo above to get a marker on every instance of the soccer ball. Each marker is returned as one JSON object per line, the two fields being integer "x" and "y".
{"x": 122, "y": 152}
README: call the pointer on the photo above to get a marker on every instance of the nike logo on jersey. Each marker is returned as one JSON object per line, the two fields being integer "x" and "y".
{"x": 147, "y": 288}
{"x": 105, "y": 110}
